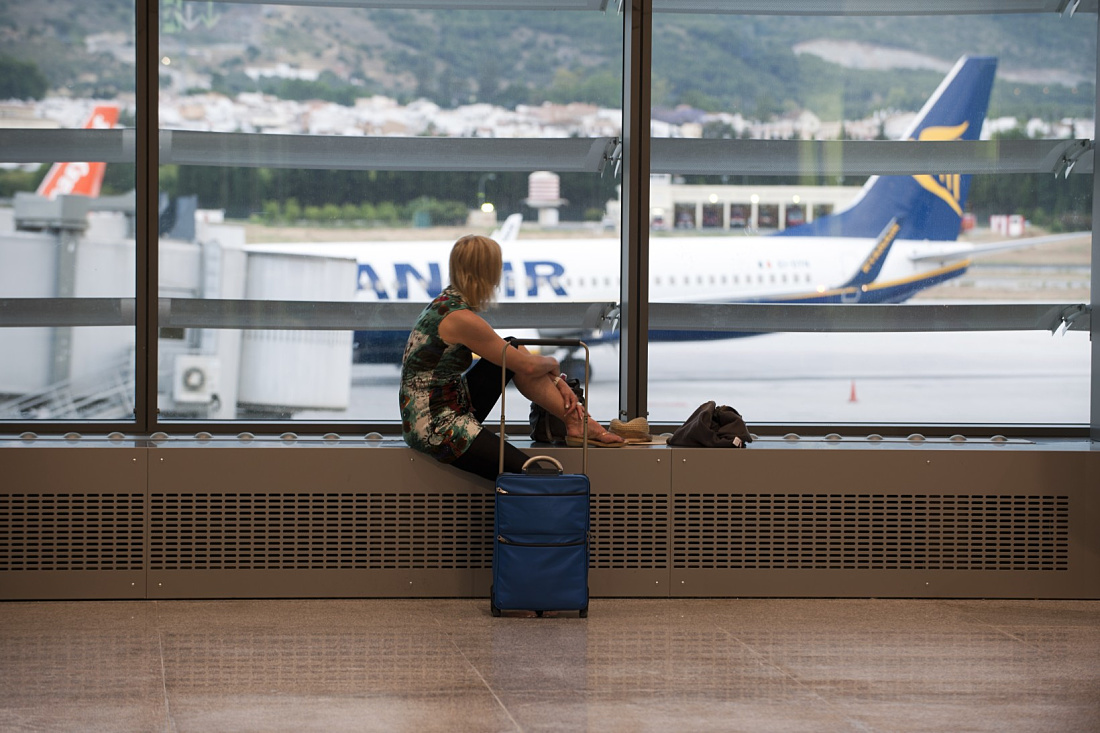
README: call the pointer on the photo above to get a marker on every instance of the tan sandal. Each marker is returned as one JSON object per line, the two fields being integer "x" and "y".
{"x": 634, "y": 431}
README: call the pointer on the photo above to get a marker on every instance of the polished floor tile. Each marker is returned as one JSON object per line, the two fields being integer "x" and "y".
{"x": 752, "y": 665}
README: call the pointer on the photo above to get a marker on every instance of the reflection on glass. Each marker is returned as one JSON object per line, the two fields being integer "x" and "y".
{"x": 66, "y": 226}
{"x": 849, "y": 240}
{"x": 356, "y": 231}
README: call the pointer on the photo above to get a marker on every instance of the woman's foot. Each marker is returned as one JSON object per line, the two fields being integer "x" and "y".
{"x": 597, "y": 434}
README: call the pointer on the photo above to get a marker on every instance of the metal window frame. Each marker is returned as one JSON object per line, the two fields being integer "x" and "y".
{"x": 569, "y": 155}
{"x": 297, "y": 315}
{"x": 148, "y": 147}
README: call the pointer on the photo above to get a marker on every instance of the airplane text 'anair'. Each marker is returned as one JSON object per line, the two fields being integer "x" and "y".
{"x": 409, "y": 281}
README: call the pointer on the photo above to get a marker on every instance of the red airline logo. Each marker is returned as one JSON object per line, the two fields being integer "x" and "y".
{"x": 80, "y": 178}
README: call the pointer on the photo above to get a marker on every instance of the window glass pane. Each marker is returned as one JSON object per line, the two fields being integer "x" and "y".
{"x": 67, "y": 258}
{"x": 335, "y": 155}
{"x": 813, "y": 227}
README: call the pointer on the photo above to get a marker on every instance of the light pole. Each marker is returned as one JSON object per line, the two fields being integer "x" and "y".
{"x": 481, "y": 203}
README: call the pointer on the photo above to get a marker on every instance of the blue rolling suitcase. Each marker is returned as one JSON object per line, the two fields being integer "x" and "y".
{"x": 540, "y": 545}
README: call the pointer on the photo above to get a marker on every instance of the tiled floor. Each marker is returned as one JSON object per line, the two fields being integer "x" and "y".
{"x": 632, "y": 665}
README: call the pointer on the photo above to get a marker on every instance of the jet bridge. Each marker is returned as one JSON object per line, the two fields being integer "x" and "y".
{"x": 57, "y": 256}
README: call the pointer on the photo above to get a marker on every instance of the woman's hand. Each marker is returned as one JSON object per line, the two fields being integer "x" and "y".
{"x": 567, "y": 394}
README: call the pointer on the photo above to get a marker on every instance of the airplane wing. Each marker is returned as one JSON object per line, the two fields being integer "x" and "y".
{"x": 964, "y": 251}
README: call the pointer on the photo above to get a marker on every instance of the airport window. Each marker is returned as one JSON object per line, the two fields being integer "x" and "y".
{"x": 712, "y": 216}
{"x": 68, "y": 262}
{"x": 768, "y": 217}
{"x": 1008, "y": 234}
{"x": 366, "y": 140}
{"x": 685, "y": 216}
{"x": 739, "y": 215}
{"x": 304, "y": 176}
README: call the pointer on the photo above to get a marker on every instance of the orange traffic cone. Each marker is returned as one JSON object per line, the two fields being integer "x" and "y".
{"x": 852, "y": 395}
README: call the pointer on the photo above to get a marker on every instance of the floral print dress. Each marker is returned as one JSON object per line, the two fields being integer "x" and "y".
{"x": 436, "y": 410}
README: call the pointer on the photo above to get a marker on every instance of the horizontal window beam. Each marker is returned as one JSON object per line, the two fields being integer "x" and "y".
{"x": 257, "y": 150}
{"x": 867, "y": 157}
{"x": 20, "y": 145}
{"x": 440, "y": 4}
{"x": 873, "y": 7}
{"x": 566, "y": 155}
{"x": 707, "y": 317}
{"x": 279, "y": 315}
{"x": 591, "y": 155}
{"x": 745, "y": 7}
{"x": 869, "y": 318}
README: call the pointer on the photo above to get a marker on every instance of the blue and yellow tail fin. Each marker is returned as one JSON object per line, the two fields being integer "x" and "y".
{"x": 928, "y": 207}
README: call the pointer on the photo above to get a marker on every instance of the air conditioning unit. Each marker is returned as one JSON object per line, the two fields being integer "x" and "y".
{"x": 195, "y": 380}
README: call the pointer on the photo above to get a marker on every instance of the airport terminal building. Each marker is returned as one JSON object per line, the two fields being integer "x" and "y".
{"x": 209, "y": 519}
{"x": 675, "y": 205}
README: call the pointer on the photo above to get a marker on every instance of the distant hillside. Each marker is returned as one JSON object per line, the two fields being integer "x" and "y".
{"x": 713, "y": 62}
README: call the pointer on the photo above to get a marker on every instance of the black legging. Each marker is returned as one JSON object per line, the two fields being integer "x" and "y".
{"x": 483, "y": 455}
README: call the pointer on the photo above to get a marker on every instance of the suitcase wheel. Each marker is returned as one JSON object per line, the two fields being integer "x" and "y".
{"x": 493, "y": 602}
{"x": 538, "y": 613}
{"x": 584, "y": 612}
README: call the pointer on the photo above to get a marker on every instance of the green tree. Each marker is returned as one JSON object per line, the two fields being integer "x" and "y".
{"x": 349, "y": 212}
{"x": 292, "y": 210}
{"x": 271, "y": 214}
{"x": 21, "y": 79}
{"x": 386, "y": 212}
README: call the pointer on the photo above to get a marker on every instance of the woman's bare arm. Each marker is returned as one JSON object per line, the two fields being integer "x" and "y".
{"x": 472, "y": 331}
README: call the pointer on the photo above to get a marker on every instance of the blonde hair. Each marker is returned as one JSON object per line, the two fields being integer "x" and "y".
{"x": 476, "y": 266}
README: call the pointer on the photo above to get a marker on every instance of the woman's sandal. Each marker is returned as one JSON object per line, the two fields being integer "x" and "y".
{"x": 577, "y": 441}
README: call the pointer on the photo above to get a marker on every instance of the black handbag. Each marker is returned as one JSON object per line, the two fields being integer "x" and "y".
{"x": 545, "y": 428}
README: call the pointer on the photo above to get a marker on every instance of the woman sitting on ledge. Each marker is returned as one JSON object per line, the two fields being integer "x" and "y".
{"x": 444, "y": 400}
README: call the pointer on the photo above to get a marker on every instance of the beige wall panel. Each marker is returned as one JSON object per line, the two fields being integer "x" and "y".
{"x": 72, "y": 520}
{"x": 182, "y": 519}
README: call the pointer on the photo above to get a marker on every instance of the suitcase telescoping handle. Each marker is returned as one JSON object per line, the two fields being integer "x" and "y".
{"x": 504, "y": 385}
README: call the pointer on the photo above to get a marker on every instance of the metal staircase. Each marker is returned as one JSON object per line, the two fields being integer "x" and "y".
{"x": 104, "y": 395}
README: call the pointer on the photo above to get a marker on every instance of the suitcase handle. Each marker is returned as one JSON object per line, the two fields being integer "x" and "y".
{"x": 504, "y": 387}
{"x": 535, "y": 459}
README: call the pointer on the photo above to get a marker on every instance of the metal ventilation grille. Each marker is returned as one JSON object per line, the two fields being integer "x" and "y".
{"x": 629, "y": 531}
{"x": 870, "y": 532}
{"x": 72, "y": 531}
{"x": 319, "y": 531}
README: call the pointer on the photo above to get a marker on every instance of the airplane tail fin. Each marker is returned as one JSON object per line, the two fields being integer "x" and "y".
{"x": 80, "y": 178}
{"x": 509, "y": 230}
{"x": 929, "y": 207}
